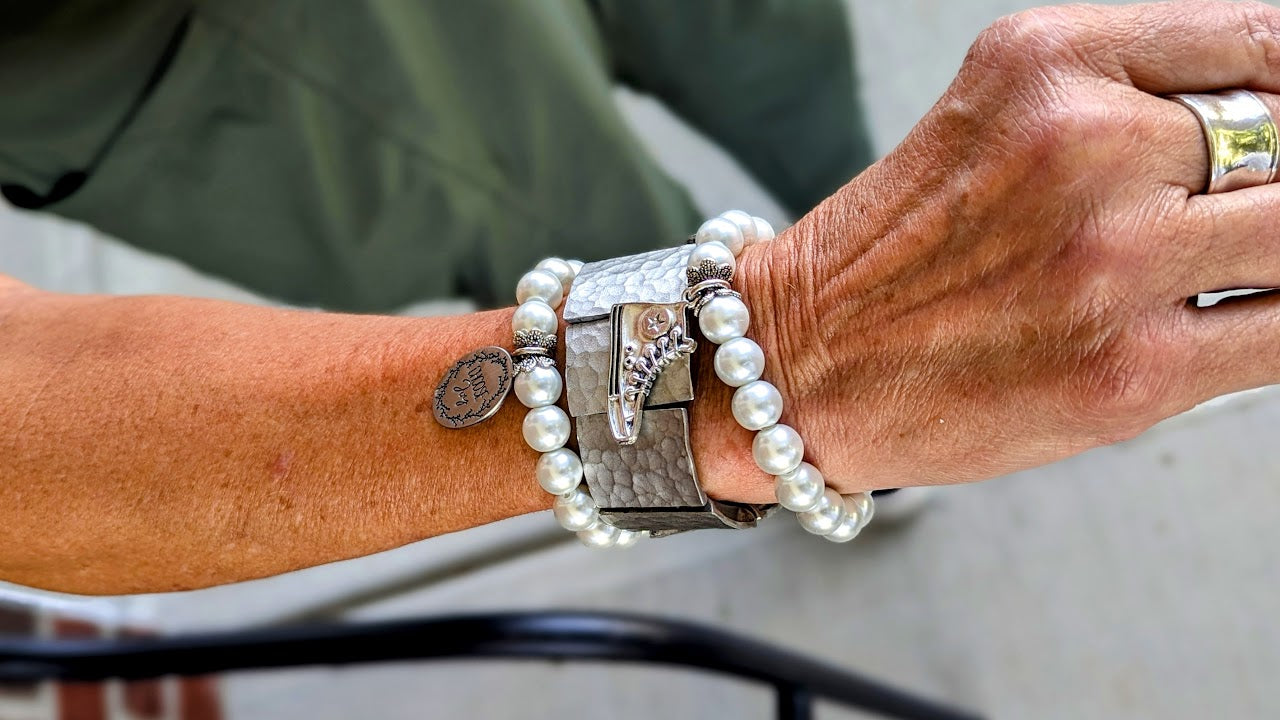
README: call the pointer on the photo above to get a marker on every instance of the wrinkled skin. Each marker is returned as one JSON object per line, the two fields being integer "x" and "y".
{"x": 1006, "y": 288}
{"x": 1010, "y": 285}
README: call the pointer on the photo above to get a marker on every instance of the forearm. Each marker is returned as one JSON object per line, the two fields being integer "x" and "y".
{"x": 157, "y": 443}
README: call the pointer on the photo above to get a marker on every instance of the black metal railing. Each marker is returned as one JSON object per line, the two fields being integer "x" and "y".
{"x": 797, "y": 679}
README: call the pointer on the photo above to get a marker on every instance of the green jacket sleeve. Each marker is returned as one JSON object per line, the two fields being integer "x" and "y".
{"x": 72, "y": 75}
{"x": 349, "y": 155}
{"x": 365, "y": 155}
{"x": 772, "y": 81}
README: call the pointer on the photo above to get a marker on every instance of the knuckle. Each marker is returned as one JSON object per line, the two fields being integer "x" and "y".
{"x": 1034, "y": 35}
{"x": 1076, "y": 130}
{"x": 1010, "y": 40}
{"x": 1080, "y": 119}
{"x": 1135, "y": 241}
{"x": 1024, "y": 30}
{"x": 1093, "y": 256}
{"x": 1261, "y": 27}
{"x": 1125, "y": 383}
{"x": 1026, "y": 62}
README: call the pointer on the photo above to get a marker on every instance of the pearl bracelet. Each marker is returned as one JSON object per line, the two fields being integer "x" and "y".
{"x": 538, "y": 386}
{"x": 473, "y": 389}
{"x": 757, "y": 405}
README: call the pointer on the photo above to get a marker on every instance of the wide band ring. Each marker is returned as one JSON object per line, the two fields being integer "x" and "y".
{"x": 1244, "y": 145}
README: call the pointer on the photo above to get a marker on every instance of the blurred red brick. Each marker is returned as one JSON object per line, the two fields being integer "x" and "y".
{"x": 72, "y": 627}
{"x": 199, "y": 699}
{"x": 18, "y": 620}
{"x": 79, "y": 701}
{"x": 143, "y": 698}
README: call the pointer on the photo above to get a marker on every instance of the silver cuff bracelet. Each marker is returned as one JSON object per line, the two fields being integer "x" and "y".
{"x": 629, "y": 382}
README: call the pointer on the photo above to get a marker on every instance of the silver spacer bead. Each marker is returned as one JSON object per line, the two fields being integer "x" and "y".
{"x": 535, "y": 339}
{"x": 709, "y": 270}
{"x": 533, "y": 349}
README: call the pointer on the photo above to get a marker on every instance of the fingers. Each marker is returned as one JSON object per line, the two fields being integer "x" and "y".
{"x": 1236, "y": 344}
{"x": 1228, "y": 241}
{"x": 1180, "y": 154}
{"x": 1198, "y": 46}
{"x": 1157, "y": 49}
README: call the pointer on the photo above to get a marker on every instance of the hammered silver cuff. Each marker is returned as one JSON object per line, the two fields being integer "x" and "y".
{"x": 629, "y": 382}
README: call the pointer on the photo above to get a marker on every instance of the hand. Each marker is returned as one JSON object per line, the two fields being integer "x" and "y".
{"x": 1010, "y": 285}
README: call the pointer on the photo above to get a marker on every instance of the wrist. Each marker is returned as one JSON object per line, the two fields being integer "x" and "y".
{"x": 726, "y": 468}
{"x": 474, "y": 470}
{"x": 648, "y": 309}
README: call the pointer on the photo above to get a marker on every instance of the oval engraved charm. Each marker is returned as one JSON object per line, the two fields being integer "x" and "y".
{"x": 474, "y": 388}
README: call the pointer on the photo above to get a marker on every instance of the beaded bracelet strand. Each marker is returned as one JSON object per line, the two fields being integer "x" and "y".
{"x": 538, "y": 386}
{"x": 739, "y": 362}
{"x": 757, "y": 405}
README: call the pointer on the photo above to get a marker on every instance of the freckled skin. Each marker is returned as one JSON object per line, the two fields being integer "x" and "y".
{"x": 159, "y": 443}
{"x": 1009, "y": 286}
{"x": 1006, "y": 288}
{"x": 280, "y": 468}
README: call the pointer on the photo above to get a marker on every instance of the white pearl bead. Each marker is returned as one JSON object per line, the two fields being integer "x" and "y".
{"x": 559, "y": 471}
{"x": 535, "y": 315}
{"x": 862, "y": 505}
{"x": 546, "y": 428}
{"x": 739, "y": 362}
{"x": 764, "y": 231}
{"x": 539, "y": 386}
{"x": 601, "y": 535}
{"x": 627, "y": 538}
{"x": 746, "y": 225}
{"x": 575, "y": 511}
{"x": 540, "y": 285}
{"x": 723, "y": 319}
{"x": 801, "y": 489}
{"x": 720, "y": 230}
{"x": 575, "y": 266}
{"x": 561, "y": 269}
{"x": 713, "y": 251}
{"x": 846, "y": 530}
{"x": 757, "y": 405}
{"x": 778, "y": 450}
{"x": 826, "y": 517}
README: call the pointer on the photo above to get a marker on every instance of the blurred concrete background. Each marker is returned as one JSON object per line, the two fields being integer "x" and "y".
{"x": 1135, "y": 581}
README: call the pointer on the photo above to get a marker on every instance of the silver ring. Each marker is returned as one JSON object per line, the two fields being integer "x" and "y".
{"x": 1244, "y": 145}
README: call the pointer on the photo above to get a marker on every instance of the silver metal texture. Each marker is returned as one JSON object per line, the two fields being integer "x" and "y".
{"x": 656, "y": 277}
{"x": 1243, "y": 142}
{"x": 656, "y": 471}
{"x": 652, "y": 484}
{"x": 473, "y": 388}
{"x": 533, "y": 349}
{"x": 706, "y": 291}
{"x": 535, "y": 339}
{"x": 706, "y": 270}
{"x": 528, "y": 361}
{"x": 586, "y": 372}
{"x": 645, "y": 339}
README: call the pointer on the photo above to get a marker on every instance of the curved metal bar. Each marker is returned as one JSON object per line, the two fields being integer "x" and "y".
{"x": 537, "y": 635}
{"x": 794, "y": 703}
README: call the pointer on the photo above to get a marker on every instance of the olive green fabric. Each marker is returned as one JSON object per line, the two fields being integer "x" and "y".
{"x": 364, "y": 155}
